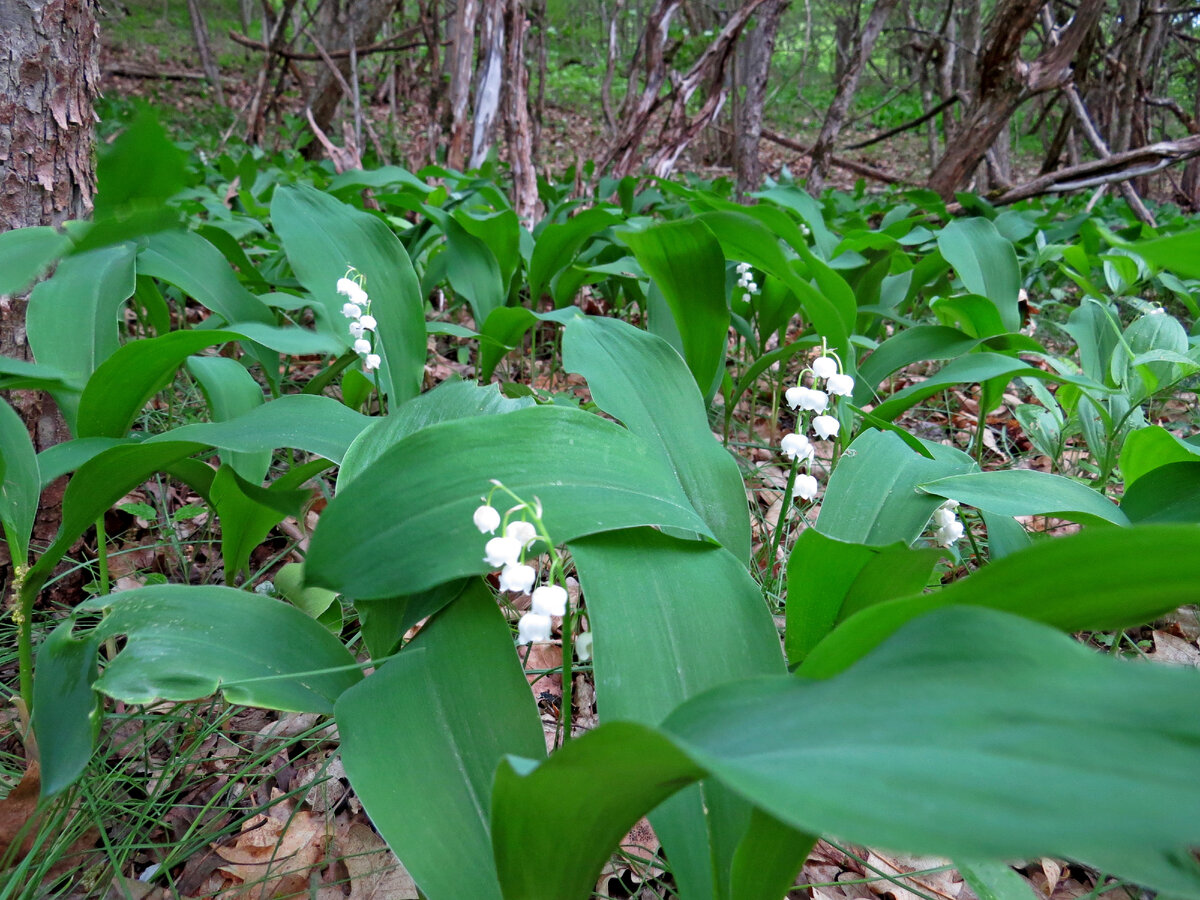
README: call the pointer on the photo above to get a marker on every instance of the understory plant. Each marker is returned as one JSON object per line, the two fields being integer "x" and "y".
{"x": 728, "y": 730}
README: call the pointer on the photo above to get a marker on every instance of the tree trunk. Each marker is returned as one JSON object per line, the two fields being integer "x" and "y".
{"x": 490, "y": 80}
{"x": 1005, "y": 81}
{"x": 48, "y": 85}
{"x": 518, "y": 125}
{"x": 360, "y": 21}
{"x": 460, "y": 79}
{"x": 200, "y": 36}
{"x": 836, "y": 116}
{"x": 760, "y": 45}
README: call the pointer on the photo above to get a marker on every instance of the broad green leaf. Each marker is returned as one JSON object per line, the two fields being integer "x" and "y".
{"x": 322, "y": 237}
{"x": 501, "y": 233}
{"x": 448, "y": 401}
{"x": 72, "y": 318}
{"x": 988, "y": 691}
{"x": 287, "y": 339}
{"x": 289, "y": 582}
{"x": 589, "y": 794}
{"x": 231, "y": 391}
{"x": 1148, "y": 448}
{"x": 1168, "y": 493}
{"x": 98, "y": 484}
{"x": 1083, "y": 582}
{"x": 183, "y": 642}
{"x": 970, "y": 369}
{"x": 473, "y": 271}
{"x": 122, "y": 385}
{"x": 916, "y": 344}
{"x": 317, "y": 425}
{"x": 66, "y": 711}
{"x": 557, "y": 246}
{"x": 641, "y": 380}
{"x": 17, "y": 374}
{"x": 1027, "y": 492}
{"x": 1180, "y": 253}
{"x": 196, "y": 267}
{"x": 976, "y": 315}
{"x": 686, "y": 262}
{"x": 648, "y": 617}
{"x": 21, "y": 486}
{"x": 59, "y": 459}
{"x": 994, "y": 880}
{"x": 418, "y": 497}
{"x": 872, "y": 495}
{"x": 965, "y": 707}
{"x": 248, "y": 512}
{"x": 987, "y": 264}
{"x": 25, "y": 253}
{"x": 828, "y": 580}
{"x": 808, "y": 210}
{"x": 427, "y": 731}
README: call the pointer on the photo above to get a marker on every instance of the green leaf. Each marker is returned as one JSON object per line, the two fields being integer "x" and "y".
{"x": 72, "y": 318}
{"x": 196, "y": 267}
{"x": 21, "y": 486}
{"x": 916, "y": 344}
{"x": 1085, "y": 582}
{"x": 1148, "y": 448}
{"x": 987, "y": 264}
{"x": 248, "y": 513}
{"x": 1180, "y": 253}
{"x": 872, "y": 498}
{"x": 641, "y": 380}
{"x": 26, "y": 253}
{"x": 231, "y": 391}
{"x": 418, "y": 497}
{"x": 314, "y": 424}
{"x": 66, "y": 711}
{"x": 289, "y": 582}
{"x": 184, "y": 642}
{"x": 828, "y": 580}
{"x": 1027, "y": 492}
{"x": 557, "y": 246}
{"x": 685, "y": 260}
{"x": 449, "y": 707}
{"x": 648, "y": 617}
{"x": 987, "y": 690}
{"x": 473, "y": 271}
{"x": 1168, "y": 493}
{"x": 584, "y": 800}
{"x": 448, "y": 401}
{"x": 322, "y": 237}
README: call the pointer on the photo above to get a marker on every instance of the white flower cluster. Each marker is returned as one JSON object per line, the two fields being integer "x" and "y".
{"x": 357, "y": 309}
{"x": 947, "y": 527}
{"x": 811, "y": 399}
{"x": 746, "y": 279}
{"x": 508, "y": 553}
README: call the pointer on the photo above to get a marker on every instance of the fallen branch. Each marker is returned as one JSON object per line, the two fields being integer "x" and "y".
{"x": 1118, "y": 167}
{"x": 125, "y": 70}
{"x": 378, "y": 47}
{"x": 911, "y": 123}
{"x": 841, "y": 162}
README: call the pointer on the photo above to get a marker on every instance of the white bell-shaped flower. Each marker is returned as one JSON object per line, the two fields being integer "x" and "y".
{"x": 502, "y": 551}
{"x": 948, "y": 534}
{"x": 583, "y": 646}
{"x": 487, "y": 519}
{"x": 533, "y": 628}
{"x": 806, "y": 487}
{"x": 824, "y": 367}
{"x": 372, "y": 362}
{"x": 362, "y": 345}
{"x": 806, "y": 398}
{"x": 517, "y": 577}
{"x": 826, "y": 427}
{"x": 550, "y": 600}
{"x": 352, "y": 291}
{"x": 842, "y": 385}
{"x": 356, "y": 329}
{"x": 796, "y": 446}
{"x": 351, "y": 310}
{"x": 521, "y": 531}
{"x": 368, "y": 323}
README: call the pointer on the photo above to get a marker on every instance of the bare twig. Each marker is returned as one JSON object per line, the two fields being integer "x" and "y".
{"x": 840, "y": 162}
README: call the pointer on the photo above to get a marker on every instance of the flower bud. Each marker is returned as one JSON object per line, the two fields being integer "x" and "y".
{"x": 487, "y": 519}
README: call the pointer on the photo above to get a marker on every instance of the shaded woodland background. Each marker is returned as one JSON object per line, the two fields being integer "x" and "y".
{"x": 1009, "y": 99}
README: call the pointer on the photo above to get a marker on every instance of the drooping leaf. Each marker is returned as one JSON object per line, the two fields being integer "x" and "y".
{"x": 418, "y": 497}
{"x": 1076, "y": 583}
{"x": 231, "y": 391}
{"x": 1168, "y": 493}
{"x": 987, "y": 264}
{"x": 25, "y": 253}
{"x": 1027, "y": 492}
{"x": 21, "y": 485}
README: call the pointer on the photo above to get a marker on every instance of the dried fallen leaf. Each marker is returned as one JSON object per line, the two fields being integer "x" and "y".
{"x": 375, "y": 872}
{"x": 274, "y": 853}
{"x": 1174, "y": 650}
